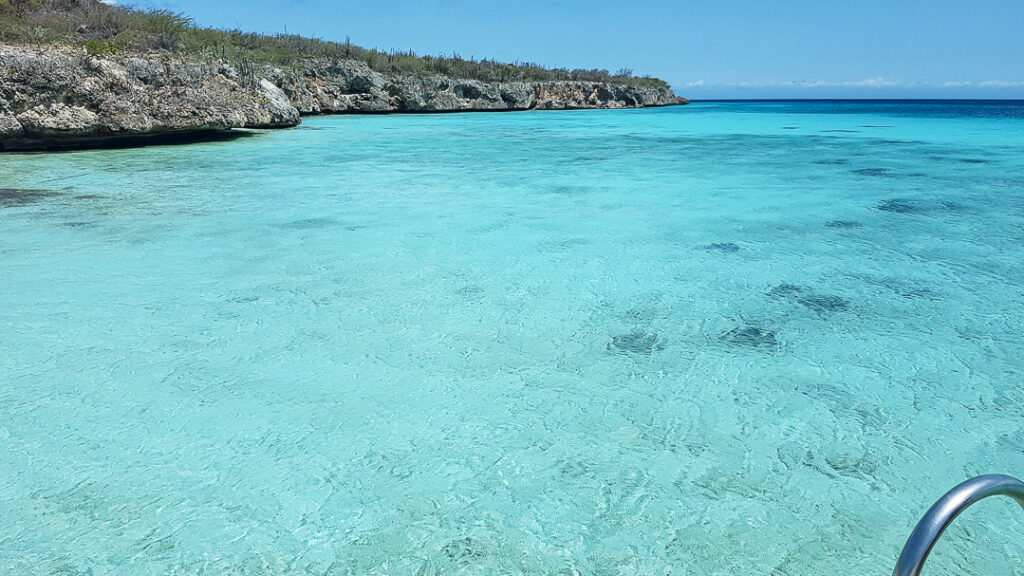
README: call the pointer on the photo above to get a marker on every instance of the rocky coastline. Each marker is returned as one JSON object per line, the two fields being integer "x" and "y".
{"x": 55, "y": 98}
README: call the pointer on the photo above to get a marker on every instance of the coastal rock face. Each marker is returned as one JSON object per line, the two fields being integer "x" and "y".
{"x": 325, "y": 87}
{"x": 319, "y": 87}
{"x": 58, "y": 97}
{"x": 62, "y": 98}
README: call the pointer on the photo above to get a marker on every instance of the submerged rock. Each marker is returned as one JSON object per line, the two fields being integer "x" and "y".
{"x": 898, "y": 207}
{"x": 310, "y": 224}
{"x": 463, "y": 550}
{"x": 805, "y": 297}
{"x": 824, "y": 303}
{"x": 723, "y": 247}
{"x": 947, "y": 206}
{"x": 751, "y": 336}
{"x": 871, "y": 172}
{"x": 636, "y": 342}
{"x": 10, "y": 197}
{"x": 903, "y": 287}
{"x": 783, "y": 290}
{"x": 843, "y": 224}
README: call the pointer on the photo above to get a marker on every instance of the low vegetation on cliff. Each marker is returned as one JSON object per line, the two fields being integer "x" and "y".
{"x": 106, "y": 29}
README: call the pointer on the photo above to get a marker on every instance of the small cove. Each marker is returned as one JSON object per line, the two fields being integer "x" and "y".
{"x": 686, "y": 340}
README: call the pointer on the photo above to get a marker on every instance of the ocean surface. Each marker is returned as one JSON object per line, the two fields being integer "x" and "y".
{"x": 728, "y": 338}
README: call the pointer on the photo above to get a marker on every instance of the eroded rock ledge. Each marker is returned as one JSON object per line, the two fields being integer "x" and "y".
{"x": 59, "y": 98}
{"x": 351, "y": 87}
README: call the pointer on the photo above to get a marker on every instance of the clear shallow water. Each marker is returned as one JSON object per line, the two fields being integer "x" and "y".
{"x": 730, "y": 338}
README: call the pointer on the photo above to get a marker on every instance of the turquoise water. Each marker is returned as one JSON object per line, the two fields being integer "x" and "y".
{"x": 728, "y": 338}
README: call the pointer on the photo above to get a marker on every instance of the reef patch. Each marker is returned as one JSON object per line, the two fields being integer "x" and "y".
{"x": 12, "y": 197}
{"x": 898, "y": 206}
{"x": 750, "y": 336}
{"x": 636, "y": 343}
{"x": 806, "y": 297}
{"x": 843, "y": 224}
{"x": 872, "y": 172}
{"x": 463, "y": 551}
{"x": 824, "y": 303}
{"x": 309, "y": 224}
{"x": 727, "y": 247}
{"x": 785, "y": 290}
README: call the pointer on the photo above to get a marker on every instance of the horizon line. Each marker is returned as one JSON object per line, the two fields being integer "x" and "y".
{"x": 694, "y": 100}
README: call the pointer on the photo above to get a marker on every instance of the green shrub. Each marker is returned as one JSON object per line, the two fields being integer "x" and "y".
{"x": 104, "y": 29}
{"x": 97, "y": 47}
{"x": 18, "y": 6}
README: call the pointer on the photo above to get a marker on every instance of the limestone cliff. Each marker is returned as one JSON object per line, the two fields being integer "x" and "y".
{"x": 53, "y": 98}
{"x": 62, "y": 98}
{"x": 346, "y": 86}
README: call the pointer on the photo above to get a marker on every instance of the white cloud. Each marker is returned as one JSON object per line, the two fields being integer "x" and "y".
{"x": 1001, "y": 84}
{"x": 799, "y": 84}
{"x": 871, "y": 82}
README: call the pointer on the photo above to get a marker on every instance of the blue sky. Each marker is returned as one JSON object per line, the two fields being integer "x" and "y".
{"x": 712, "y": 49}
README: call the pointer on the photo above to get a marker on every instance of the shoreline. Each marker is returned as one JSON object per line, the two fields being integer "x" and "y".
{"x": 58, "y": 98}
{"x": 478, "y": 110}
{"x": 184, "y": 138}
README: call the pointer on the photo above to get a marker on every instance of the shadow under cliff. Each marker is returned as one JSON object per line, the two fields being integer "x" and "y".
{"x": 64, "y": 143}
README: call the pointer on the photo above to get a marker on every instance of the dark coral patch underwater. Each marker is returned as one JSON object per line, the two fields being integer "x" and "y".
{"x": 728, "y": 247}
{"x": 845, "y": 224}
{"x": 898, "y": 206}
{"x": 636, "y": 343}
{"x": 824, "y": 303}
{"x": 871, "y": 172}
{"x": 749, "y": 336}
{"x": 804, "y": 296}
{"x": 309, "y": 224}
{"x": 11, "y": 197}
{"x": 783, "y": 290}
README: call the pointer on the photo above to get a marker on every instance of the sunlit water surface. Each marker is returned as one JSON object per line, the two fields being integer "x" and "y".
{"x": 727, "y": 338}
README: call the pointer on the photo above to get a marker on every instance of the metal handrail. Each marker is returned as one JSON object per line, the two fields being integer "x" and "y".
{"x": 942, "y": 513}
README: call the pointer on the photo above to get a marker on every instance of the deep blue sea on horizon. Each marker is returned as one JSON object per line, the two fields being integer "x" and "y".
{"x": 740, "y": 338}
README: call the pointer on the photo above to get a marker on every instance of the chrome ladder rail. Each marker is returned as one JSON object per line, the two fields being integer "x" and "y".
{"x": 943, "y": 512}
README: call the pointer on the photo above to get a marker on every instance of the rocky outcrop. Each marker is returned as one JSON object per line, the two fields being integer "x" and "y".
{"x": 62, "y": 98}
{"x": 317, "y": 87}
{"x": 53, "y": 98}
